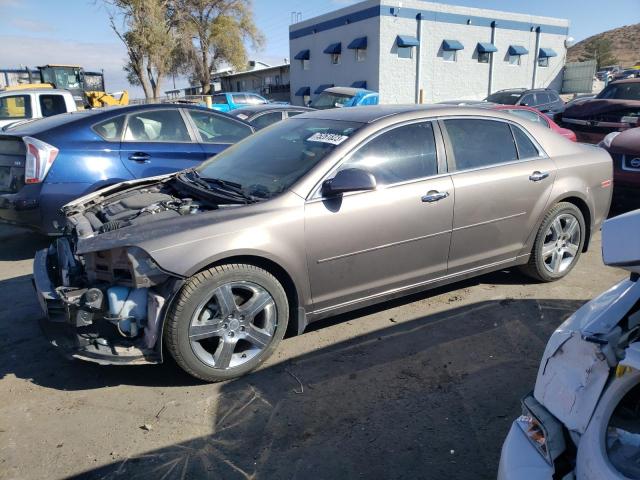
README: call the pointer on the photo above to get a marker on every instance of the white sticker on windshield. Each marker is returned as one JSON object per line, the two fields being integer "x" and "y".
{"x": 332, "y": 138}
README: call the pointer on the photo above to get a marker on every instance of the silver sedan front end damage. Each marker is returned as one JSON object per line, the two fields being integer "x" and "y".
{"x": 106, "y": 306}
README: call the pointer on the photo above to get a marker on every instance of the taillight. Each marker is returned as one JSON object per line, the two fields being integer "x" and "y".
{"x": 40, "y": 157}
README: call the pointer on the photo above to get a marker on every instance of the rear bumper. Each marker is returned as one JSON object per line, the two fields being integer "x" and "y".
{"x": 22, "y": 208}
{"x": 78, "y": 342}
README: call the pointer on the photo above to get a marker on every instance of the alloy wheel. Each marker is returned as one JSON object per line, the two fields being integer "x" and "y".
{"x": 561, "y": 243}
{"x": 234, "y": 325}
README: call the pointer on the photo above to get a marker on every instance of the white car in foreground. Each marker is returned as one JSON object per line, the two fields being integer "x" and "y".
{"x": 582, "y": 420}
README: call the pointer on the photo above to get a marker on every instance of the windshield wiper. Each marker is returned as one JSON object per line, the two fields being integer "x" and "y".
{"x": 230, "y": 189}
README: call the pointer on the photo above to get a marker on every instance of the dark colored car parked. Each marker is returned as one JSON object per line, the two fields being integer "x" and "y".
{"x": 614, "y": 109}
{"x": 261, "y": 116}
{"x": 543, "y": 99}
{"x": 49, "y": 162}
{"x": 624, "y": 148}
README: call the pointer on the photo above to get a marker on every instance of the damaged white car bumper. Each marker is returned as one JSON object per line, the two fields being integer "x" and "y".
{"x": 590, "y": 365}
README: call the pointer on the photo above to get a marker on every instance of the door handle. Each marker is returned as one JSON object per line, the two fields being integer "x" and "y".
{"x": 140, "y": 157}
{"x": 537, "y": 176}
{"x": 434, "y": 196}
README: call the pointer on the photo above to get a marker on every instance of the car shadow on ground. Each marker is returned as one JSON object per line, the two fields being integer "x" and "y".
{"x": 21, "y": 338}
{"x": 20, "y": 244}
{"x": 431, "y": 397}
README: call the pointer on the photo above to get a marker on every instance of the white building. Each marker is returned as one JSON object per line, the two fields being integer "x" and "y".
{"x": 400, "y": 48}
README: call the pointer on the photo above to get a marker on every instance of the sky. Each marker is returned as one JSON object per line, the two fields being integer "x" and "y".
{"x": 37, "y": 32}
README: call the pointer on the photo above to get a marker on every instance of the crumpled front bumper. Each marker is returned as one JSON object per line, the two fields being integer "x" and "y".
{"x": 78, "y": 342}
{"x": 520, "y": 460}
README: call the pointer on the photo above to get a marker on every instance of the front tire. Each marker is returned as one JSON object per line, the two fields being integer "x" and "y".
{"x": 558, "y": 243}
{"x": 226, "y": 321}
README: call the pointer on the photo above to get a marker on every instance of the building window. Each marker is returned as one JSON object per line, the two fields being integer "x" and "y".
{"x": 405, "y": 52}
{"x": 514, "y": 59}
{"x": 543, "y": 61}
{"x": 335, "y": 58}
{"x": 484, "y": 57}
{"x": 361, "y": 54}
{"x": 450, "y": 55}
{"x": 306, "y": 64}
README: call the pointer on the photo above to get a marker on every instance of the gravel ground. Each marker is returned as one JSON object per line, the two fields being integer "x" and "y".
{"x": 422, "y": 387}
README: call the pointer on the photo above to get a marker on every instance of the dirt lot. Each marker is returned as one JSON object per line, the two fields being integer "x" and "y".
{"x": 424, "y": 387}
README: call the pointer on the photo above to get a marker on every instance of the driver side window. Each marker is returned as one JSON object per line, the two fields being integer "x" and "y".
{"x": 214, "y": 128}
{"x": 402, "y": 154}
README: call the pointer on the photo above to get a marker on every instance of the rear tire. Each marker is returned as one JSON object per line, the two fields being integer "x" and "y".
{"x": 558, "y": 244}
{"x": 226, "y": 321}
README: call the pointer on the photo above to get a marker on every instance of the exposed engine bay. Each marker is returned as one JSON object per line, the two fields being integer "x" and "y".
{"x": 114, "y": 299}
{"x": 136, "y": 206}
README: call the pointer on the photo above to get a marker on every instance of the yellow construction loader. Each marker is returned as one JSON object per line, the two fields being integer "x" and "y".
{"x": 87, "y": 88}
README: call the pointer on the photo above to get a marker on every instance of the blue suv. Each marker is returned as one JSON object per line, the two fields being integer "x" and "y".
{"x": 46, "y": 163}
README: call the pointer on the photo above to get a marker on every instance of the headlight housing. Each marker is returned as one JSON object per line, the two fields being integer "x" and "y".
{"x": 127, "y": 266}
{"x": 542, "y": 429}
{"x": 606, "y": 141}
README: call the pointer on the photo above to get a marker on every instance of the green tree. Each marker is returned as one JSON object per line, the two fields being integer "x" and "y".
{"x": 148, "y": 29}
{"x": 601, "y": 50}
{"x": 214, "y": 33}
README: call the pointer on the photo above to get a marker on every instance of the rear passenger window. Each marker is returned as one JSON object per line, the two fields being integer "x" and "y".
{"x": 480, "y": 143}
{"x": 402, "y": 154}
{"x": 529, "y": 100}
{"x": 156, "y": 126}
{"x": 110, "y": 130}
{"x": 543, "y": 98}
{"x": 52, "y": 105}
{"x": 15, "y": 106}
{"x": 526, "y": 148}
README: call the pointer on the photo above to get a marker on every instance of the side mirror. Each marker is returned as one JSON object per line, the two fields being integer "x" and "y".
{"x": 348, "y": 180}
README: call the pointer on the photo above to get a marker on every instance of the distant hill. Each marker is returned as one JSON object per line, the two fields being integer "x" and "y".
{"x": 624, "y": 45}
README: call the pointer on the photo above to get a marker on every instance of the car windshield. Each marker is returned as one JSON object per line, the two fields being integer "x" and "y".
{"x": 270, "y": 161}
{"x": 504, "y": 98}
{"x": 621, "y": 91}
{"x": 330, "y": 100}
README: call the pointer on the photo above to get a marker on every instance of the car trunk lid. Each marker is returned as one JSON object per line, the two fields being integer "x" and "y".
{"x": 12, "y": 163}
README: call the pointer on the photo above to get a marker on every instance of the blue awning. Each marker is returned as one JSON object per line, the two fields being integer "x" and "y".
{"x": 359, "y": 43}
{"x": 359, "y": 84}
{"x": 303, "y": 92}
{"x": 449, "y": 45}
{"x": 334, "y": 48}
{"x": 407, "y": 41}
{"x": 517, "y": 50}
{"x": 547, "y": 53}
{"x": 486, "y": 47}
{"x": 322, "y": 88}
{"x": 303, "y": 55}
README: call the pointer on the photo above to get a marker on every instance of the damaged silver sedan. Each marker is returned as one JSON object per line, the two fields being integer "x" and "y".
{"x": 583, "y": 418}
{"x": 323, "y": 213}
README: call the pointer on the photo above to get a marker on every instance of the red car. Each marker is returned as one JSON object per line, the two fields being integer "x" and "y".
{"x": 536, "y": 116}
{"x": 624, "y": 148}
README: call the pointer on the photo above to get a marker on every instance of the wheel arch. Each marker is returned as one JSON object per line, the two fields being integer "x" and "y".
{"x": 582, "y": 205}
{"x": 297, "y": 315}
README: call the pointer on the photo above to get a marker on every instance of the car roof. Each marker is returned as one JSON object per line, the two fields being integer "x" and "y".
{"x": 34, "y": 90}
{"x": 268, "y": 107}
{"x": 373, "y": 113}
{"x": 626, "y": 80}
{"x": 97, "y": 114}
{"x": 347, "y": 90}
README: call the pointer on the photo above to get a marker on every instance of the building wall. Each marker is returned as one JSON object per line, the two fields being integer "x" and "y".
{"x": 395, "y": 78}
{"x": 321, "y": 71}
